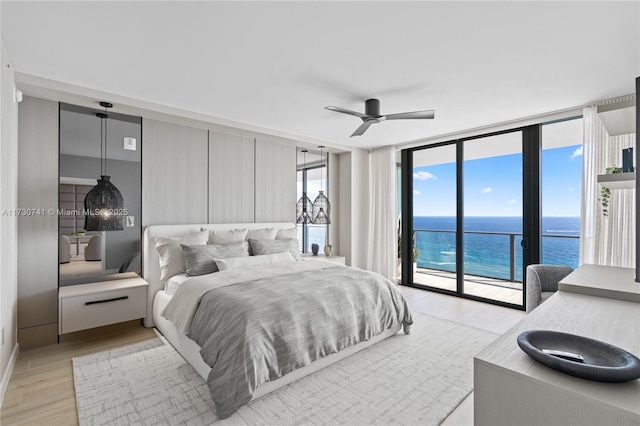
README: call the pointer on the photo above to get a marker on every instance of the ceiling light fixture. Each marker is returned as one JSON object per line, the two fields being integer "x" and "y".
{"x": 304, "y": 206}
{"x": 321, "y": 205}
{"x": 104, "y": 204}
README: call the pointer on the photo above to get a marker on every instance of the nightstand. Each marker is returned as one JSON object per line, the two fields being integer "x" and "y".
{"x": 334, "y": 258}
{"x": 101, "y": 303}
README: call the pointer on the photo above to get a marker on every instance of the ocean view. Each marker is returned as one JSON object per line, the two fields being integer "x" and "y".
{"x": 487, "y": 254}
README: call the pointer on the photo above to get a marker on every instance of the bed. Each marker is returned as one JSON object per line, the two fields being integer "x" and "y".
{"x": 187, "y": 297}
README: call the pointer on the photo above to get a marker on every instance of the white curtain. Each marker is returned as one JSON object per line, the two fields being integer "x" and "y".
{"x": 605, "y": 240}
{"x": 382, "y": 215}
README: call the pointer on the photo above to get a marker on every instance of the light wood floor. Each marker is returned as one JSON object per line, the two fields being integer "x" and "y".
{"x": 41, "y": 391}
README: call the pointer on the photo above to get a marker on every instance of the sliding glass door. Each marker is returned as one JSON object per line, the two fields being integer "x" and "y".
{"x": 483, "y": 208}
{"x": 493, "y": 213}
{"x": 434, "y": 217}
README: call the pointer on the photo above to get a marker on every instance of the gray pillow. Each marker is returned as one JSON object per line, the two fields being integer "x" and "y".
{"x": 200, "y": 260}
{"x": 260, "y": 247}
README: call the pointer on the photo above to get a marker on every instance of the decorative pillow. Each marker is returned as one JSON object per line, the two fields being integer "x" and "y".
{"x": 286, "y": 234}
{"x": 254, "y": 261}
{"x": 200, "y": 259}
{"x": 262, "y": 234}
{"x": 224, "y": 238}
{"x": 171, "y": 257}
{"x": 259, "y": 248}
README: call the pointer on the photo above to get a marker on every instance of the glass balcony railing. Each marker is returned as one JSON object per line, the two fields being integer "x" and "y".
{"x": 490, "y": 254}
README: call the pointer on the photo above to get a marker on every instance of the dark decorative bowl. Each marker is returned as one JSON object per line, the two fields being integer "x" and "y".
{"x": 580, "y": 356}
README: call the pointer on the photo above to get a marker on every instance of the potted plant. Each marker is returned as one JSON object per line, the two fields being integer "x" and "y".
{"x": 605, "y": 193}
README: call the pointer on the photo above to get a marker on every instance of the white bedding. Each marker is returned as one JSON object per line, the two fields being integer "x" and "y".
{"x": 186, "y": 300}
{"x": 191, "y": 351}
{"x": 174, "y": 282}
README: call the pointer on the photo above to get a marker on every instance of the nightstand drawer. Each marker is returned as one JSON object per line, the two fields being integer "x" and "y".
{"x": 110, "y": 306}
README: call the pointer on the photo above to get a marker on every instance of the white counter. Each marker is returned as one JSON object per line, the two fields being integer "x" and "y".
{"x": 603, "y": 281}
{"x": 512, "y": 389}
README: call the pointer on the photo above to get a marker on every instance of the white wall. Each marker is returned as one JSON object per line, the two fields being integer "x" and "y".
{"x": 360, "y": 205}
{"x": 8, "y": 224}
{"x": 333, "y": 193}
{"x": 353, "y": 169}
{"x": 343, "y": 164}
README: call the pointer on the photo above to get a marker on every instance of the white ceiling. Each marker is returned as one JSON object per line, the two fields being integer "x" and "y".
{"x": 277, "y": 64}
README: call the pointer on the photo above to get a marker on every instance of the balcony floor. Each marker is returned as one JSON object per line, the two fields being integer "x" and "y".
{"x": 489, "y": 288}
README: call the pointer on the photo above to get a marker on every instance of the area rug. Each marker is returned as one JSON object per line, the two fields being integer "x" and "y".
{"x": 406, "y": 379}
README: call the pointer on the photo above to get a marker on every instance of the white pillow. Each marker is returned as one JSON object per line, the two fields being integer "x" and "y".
{"x": 253, "y": 261}
{"x": 262, "y": 234}
{"x": 170, "y": 251}
{"x": 285, "y": 234}
{"x": 225, "y": 238}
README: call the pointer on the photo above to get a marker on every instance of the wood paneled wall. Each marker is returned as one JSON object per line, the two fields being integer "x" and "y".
{"x": 275, "y": 193}
{"x": 174, "y": 173}
{"x": 38, "y": 233}
{"x": 192, "y": 175}
{"x": 231, "y": 178}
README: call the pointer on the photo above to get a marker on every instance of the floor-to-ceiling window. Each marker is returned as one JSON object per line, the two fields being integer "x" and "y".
{"x": 561, "y": 173}
{"x": 484, "y": 207}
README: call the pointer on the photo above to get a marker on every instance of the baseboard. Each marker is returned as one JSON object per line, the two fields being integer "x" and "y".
{"x": 7, "y": 373}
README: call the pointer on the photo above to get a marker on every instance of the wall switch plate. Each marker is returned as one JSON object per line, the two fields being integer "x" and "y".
{"x": 130, "y": 144}
{"x": 130, "y": 221}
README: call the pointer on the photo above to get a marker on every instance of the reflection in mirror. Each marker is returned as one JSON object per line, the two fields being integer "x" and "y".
{"x": 310, "y": 169}
{"x": 87, "y": 256}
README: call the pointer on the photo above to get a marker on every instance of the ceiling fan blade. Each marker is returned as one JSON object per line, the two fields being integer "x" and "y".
{"x": 411, "y": 115}
{"x": 363, "y": 128}
{"x": 346, "y": 111}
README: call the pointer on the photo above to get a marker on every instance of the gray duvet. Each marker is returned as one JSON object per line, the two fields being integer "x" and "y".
{"x": 258, "y": 331}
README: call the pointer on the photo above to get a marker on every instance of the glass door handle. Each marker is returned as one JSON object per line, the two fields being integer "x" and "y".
{"x": 524, "y": 243}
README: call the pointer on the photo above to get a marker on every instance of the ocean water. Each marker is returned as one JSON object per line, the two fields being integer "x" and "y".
{"x": 487, "y": 254}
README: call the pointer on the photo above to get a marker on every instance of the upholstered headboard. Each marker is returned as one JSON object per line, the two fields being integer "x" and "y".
{"x": 150, "y": 260}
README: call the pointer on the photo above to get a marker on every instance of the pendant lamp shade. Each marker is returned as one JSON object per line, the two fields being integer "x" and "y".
{"x": 322, "y": 209}
{"x": 304, "y": 209}
{"x": 304, "y": 206}
{"x": 321, "y": 205}
{"x": 103, "y": 204}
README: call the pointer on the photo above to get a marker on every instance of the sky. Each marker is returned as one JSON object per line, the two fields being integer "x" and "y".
{"x": 493, "y": 186}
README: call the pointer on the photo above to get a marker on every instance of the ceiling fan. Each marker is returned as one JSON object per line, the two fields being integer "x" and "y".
{"x": 372, "y": 115}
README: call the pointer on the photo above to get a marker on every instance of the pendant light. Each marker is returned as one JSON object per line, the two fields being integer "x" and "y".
{"x": 103, "y": 203}
{"x": 304, "y": 207}
{"x": 321, "y": 205}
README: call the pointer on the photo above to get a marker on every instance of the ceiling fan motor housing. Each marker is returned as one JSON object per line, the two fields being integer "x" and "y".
{"x": 372, "y": 107}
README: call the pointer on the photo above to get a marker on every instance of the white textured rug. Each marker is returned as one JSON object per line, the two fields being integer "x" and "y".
{"x": 407, "y": 379}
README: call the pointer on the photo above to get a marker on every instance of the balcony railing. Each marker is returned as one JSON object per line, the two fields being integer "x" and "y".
{"x": 489, "y": 254}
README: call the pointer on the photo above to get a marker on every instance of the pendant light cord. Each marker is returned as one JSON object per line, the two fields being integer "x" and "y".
{"x": 101, "y": 148}
{"x": 321, "y": 169}
{"x": 106, "y": 141}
